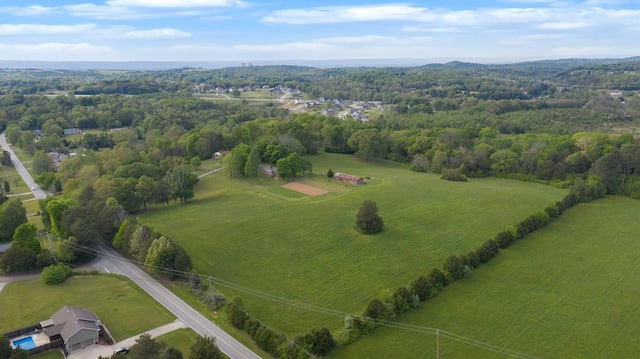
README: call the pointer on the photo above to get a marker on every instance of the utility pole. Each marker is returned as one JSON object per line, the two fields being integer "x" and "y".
{"x": 53, "y": 254}
{"x": 437, "y": 343}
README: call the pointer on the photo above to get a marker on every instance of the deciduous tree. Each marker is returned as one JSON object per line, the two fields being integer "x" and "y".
{"x": 25, "y": 237}
{"x": 367, "y": 143}
{"x": 204, "y": 347}
{"x": 181, "y": 183}
{"x": 145, "y": 189}
{"x": 166, "y": 254}
{"x": 253, "y": 162}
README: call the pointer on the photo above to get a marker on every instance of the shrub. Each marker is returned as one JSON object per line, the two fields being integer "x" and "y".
{"x": 376, "y": 310}
{"x": 505, "y": 239}
{"x": 268, "y": 340}
{"x": 17, "y": 259}
{"x": 488, "y": 250}
{"x": 402, "y": 300}
{"x": 453, "y": 174}
{"x": 44, "y": 259}
{"x": 453, "y": 267}
{"x": 552, "y": 211}
{"x": 532, "y": 223}
{"x": 236, "y": 313}
{"x": 56, "y": 273}
{"x": 437, "y": 279}
{"x": 214, "y": 300}
{"x": 330, "y": 173}
{"x": 320, "y": 342}
{"x": 251, "y": 326}
{"x": 420, "y": 287}
{"x": 420, "y": 163}
{"x": 470, "y": 259}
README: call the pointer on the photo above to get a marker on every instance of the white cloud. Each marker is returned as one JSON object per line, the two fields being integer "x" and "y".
{"x": 338, "y": 14}
{"x": 56, "y": 51}
{"x": 357, "y": 39}
{"x": 547, "y": 17}
{"x": 33, "y": 10}
{"x": 166, "y": 33}
{"x": 102, "y": 12}
{"x": 431, "y": 29}
{"x": 563, "y": 25}
{"x": 175, "y": 3}
{"x": 39, "y": 29}
{"x": 91, "y": 31}
{"x": 537, "y": 37}
{"x": 519, "y": 14}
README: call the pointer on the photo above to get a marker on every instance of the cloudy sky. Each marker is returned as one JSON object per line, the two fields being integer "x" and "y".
{"x": 239, "y": 30}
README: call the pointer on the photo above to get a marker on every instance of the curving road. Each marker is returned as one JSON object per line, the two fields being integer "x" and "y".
{"x": 111, "y": 261}
{"x": 26, "y": 176}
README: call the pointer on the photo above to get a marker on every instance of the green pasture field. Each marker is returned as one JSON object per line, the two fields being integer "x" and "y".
{"x": 115, "y": 300}
{"x": 306, "y": 248}
{"x": 567, "y": 291}
{"x": 262, "y": 95}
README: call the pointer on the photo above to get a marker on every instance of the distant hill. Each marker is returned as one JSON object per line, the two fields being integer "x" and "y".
{"x": 437, "y": 63}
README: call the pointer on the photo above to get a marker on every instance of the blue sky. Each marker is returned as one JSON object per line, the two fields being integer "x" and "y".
{"x": 279, "y": 30}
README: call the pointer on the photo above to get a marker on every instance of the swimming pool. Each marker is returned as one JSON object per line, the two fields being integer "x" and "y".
{"x": 24, "y": 343}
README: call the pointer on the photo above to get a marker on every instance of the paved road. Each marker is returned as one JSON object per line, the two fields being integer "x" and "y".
{"x": 26, "y": 176}
{"x": 112, "y": 262}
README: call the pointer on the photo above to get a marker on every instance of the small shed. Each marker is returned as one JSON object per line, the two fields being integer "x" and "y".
{"x": 343, "y": 177}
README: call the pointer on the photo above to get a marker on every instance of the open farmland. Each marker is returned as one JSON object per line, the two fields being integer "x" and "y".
{"x": 566, "y": 291}
{"x": 306, "y": 248}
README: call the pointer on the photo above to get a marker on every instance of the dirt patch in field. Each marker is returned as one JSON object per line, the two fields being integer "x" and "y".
{"x": 305, "y": 189}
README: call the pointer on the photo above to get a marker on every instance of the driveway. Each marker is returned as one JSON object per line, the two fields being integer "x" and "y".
{"x": 95, "y": 351}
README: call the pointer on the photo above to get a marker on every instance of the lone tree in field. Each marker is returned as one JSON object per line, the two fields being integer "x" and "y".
{"x": 368, "y": 220}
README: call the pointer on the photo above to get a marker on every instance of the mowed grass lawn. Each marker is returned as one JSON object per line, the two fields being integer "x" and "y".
{"x": 307, "y": 248}
{"x": 124, "y": 308}
{"x": 570, "y": 290}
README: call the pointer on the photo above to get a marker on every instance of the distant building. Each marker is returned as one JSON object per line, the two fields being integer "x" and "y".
{"x": 343, "y": 177}
{"x": 71, "y": 131}
{"x": 270, "y": 172}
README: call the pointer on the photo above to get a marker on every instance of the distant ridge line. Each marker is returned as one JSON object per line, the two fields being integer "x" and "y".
{"x": 169, "y": 65}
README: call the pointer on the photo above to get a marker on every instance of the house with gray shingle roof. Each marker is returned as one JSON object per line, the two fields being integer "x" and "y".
{"x": 78, "y": 327}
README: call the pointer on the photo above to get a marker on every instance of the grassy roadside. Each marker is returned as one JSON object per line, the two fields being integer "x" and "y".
{"x": 220, "y": 320}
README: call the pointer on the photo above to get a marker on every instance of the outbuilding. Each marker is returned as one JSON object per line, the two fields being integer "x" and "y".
{"x": 343, "y": 177}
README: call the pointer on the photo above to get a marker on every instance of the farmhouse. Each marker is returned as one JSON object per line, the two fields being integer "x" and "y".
{"x": 77, "y": 327}
{"x": 343, "y": 177}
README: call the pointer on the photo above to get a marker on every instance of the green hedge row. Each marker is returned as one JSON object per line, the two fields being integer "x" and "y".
{"x": 457, "y": 267}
